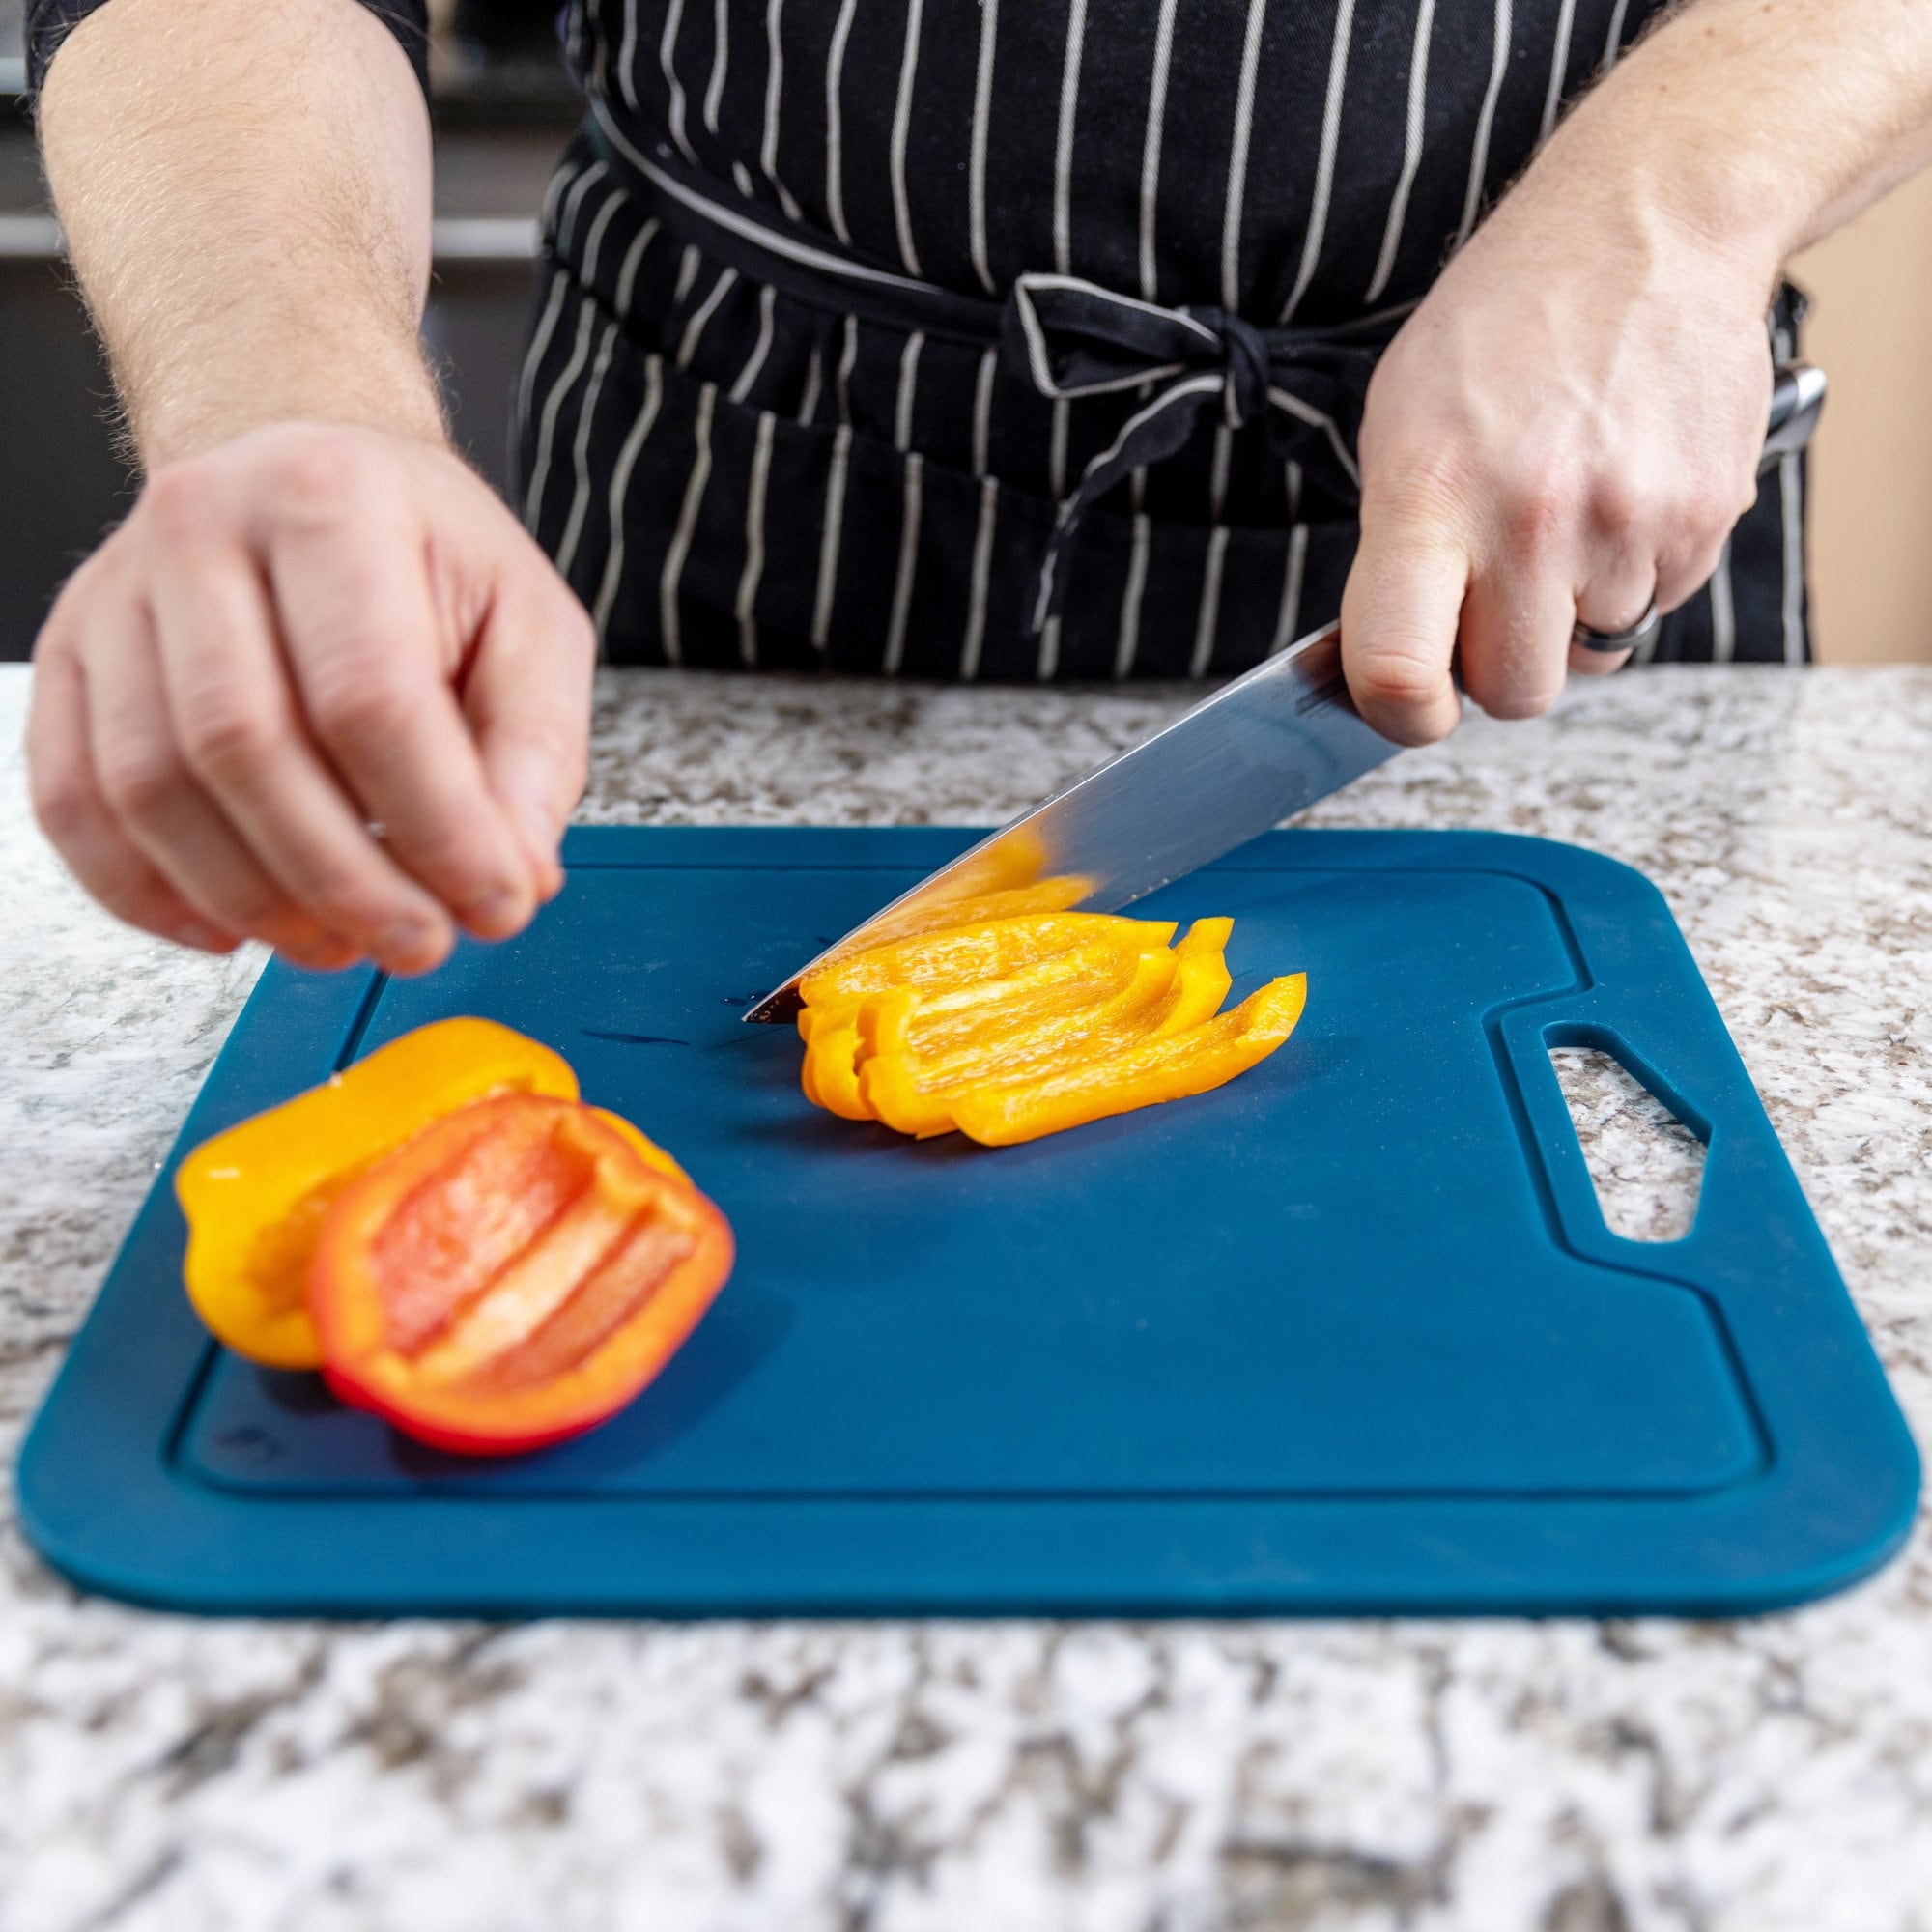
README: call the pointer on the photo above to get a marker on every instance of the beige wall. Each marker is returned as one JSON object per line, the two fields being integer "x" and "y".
{"x": 1871, "y": 491}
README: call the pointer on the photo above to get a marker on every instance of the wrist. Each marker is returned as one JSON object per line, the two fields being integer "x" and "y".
{"x": 1672, "y": 141}
{"x": 387, "y": 385}
{"x": 1638, "y": 205}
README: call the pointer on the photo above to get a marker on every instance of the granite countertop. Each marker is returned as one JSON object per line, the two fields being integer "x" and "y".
{"x": 1766, "y": 1776}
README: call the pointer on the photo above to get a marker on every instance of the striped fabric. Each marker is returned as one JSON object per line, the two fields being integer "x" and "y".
{"x": 735, "y": 470}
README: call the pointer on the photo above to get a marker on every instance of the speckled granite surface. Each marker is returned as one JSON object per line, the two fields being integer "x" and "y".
{"x": 1771, "y": 1776}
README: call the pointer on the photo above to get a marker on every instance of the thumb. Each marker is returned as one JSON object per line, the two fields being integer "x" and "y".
{"x": 1401, "y": 609}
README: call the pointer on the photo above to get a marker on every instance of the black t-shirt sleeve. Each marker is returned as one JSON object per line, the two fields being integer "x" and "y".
{"x": 50, "y": 21}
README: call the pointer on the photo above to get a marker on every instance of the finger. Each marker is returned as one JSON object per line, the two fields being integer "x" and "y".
{"x": 1586, "y": 662}
{"x": 364, "y": 640}
{"x": 69, "y": 807}
{"x": 527, "y": 698}
{"x": 1684, "y": 568}
{"x": 1516, "y": 625}
{"x": 160, "y": 808}
{"x": 1619, "y": 586}
{"x": 1400, "y": 610}
{"x": 1613, "y": 602}
{"x": 234, "y": 717}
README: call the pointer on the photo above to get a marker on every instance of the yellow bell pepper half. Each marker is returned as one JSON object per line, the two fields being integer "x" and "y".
{"x": 256, "y": 1197}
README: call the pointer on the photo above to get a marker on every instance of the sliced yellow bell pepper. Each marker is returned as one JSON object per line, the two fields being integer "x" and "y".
{"x": 958, "y": 957}
{"x": 830, "y": 1075}
{"x": 1058, "y": 894}
{"x": 1167, "y": 1068}
{"x": 1008, "y": 1029}
{"x": 910, "y": 1086}
{"x": 256, "y": 1197}
{"x": 1060, "y": 983}
{"x": 1062, "y": 956}
{"x": 910, "y": 1090}
{"x": 1201, "y": 978}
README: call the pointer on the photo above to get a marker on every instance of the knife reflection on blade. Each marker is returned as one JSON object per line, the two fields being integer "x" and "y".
{"x": 1257, "y": 751}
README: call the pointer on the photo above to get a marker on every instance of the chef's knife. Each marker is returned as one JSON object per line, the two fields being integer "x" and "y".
{"x": 1254, "y": 752}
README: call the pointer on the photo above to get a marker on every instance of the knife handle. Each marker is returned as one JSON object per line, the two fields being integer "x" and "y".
{"x": 1797, "y": 396}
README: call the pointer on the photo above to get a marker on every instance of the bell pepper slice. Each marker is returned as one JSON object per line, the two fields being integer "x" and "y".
{"x": 962, "y": 955}
{"x": 1167, "y": 1068}
{"x": 1009, "y": 1029}
{"x": 1058, "y": 982}
{"x": 829, "y": 1074}
{"x": 1201, "y": 978}
{"x": 1085, "y": 959}
{"x": 981, "y": 1018}
{"x": 910, "y": 1090}
{"x": 910, "y": 1086}
{"x": 256, "y": 1196}
{"x": 1094, "y": 965}
{"x": 1055, "y": 894}
{"x": 513, "y": 1277}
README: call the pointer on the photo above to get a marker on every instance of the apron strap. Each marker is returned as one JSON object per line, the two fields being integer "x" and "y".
{"x": 1067, "y": 338}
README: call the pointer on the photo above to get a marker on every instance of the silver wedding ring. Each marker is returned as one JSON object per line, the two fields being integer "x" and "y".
{"x": 1635, "y": 637}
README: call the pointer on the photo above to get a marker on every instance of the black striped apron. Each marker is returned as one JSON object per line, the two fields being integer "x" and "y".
{"x": 1022, "y": 338}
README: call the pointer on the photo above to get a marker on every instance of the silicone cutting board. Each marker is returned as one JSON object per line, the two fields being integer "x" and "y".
{"x": 1350, "y": 1334}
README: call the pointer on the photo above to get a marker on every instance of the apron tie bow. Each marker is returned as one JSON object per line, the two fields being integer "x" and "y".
{"x": 1245, "y": 365}
{"x": 1072, "y": 338}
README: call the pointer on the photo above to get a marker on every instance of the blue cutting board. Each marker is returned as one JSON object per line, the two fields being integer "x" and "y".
{"x": 1350, "y": 1334}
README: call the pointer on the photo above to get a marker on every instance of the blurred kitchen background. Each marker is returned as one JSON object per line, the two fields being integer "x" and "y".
{"x": 502, "y": 111}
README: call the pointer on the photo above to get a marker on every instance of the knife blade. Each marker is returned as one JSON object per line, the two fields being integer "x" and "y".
{"x": 1256, "y": 751}
{"x": 1273, "y": 741}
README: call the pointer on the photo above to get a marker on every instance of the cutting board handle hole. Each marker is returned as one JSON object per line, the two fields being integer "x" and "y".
{"x": 1646, "y": 1165}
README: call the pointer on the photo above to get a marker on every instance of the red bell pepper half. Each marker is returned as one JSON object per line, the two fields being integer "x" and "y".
{"x": 512, "y": 1276}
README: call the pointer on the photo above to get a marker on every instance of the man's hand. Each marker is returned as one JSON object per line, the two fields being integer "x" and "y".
{"x": 1569, "y": 423}
{"x": 319, "y": 689}
{"x": 300, "y": 635}
{"x": 1567, "y": 427}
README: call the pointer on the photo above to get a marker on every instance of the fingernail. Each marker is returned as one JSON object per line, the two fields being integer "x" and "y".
{"x": 495, "y": 906}
{"x": 409, "y": 946}
{"x": 541, "y": 838}
{"x": 319, "y": 951}
{"x": 205, "y": 937}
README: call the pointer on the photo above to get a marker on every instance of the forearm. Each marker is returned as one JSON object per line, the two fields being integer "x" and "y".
{"x": 246, "y": 193}
{"x": 1759, "y": 126}
{"x": 1569, "y": 427}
